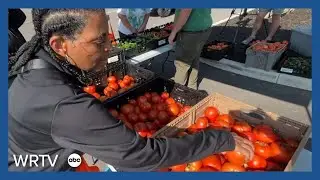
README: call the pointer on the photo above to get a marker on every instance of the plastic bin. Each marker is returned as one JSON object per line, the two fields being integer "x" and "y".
{"x": 216, "y": 54}
{"x": 262, "y": 59}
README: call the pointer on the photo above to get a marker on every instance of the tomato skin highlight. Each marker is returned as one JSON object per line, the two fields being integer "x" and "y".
{"x": 212, "y": 161}
{"x": 202, "y": 123}
{"x": 178, "y": 168}
{"x": 211, "y": 113}
{"x": 262, "y": 149}
{"x": 264, "y": 133}
{"x": 193, "y": 166}
{"x": 235, "y": 158}
{"x": 229, "y": 167}
{"x": 257, "y": 163}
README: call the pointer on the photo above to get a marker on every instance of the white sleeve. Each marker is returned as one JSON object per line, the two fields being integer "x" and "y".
{"x": 122, "y": 11}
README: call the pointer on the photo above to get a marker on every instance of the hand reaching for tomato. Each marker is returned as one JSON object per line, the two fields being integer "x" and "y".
{"x": 244, "y": 147}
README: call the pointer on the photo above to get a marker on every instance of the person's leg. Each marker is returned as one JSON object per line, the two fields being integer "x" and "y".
{"x": 193, "y": 77}
{"x": 257, "y": 25}
{"x": 276, "y": 17}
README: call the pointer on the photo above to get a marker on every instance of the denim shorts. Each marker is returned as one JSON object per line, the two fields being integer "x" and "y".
{"x": 277, "y": 11}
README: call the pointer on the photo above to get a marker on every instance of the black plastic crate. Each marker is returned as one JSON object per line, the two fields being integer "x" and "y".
{"x": 295, "y": 64}
{"x": 139, "y": 74}
{"x": 217, "y": 54}
{"x": 136, "y": 46}
{"x": 180, "y": 93}
{"x": 156, "y": 39}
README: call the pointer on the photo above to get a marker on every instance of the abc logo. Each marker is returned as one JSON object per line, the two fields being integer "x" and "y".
{"x": 74, "y": 160}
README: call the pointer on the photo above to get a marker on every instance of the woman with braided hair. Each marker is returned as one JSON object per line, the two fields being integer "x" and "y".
{"x": 49, "y": 114}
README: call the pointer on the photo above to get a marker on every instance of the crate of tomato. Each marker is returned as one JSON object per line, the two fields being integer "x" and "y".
{"x": 149, "y": 107}
{"x": 264, "y": 55}
{"x": 111, "y": 82}
{"x": 277, "y": 140}
{"x": 156, "y": 37}
{"x": 217, "y": 50}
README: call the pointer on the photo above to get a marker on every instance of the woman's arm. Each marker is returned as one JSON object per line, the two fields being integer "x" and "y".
{"x": 145, "y": 22}
{"x": 125, "y": 21}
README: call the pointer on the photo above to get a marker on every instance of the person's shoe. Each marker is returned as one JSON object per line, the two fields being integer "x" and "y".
{"x": 248, "y": 40}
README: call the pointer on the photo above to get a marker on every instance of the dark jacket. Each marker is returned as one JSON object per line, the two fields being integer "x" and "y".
{"x": 50, "y": 114}
{"x": 16, "y": 39}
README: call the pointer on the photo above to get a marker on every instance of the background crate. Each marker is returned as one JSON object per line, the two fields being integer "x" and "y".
{"x": 262, "y": 59}
{"x": 217, "y": 54}
{"x": 302, "y": 70}
{"x": 286, "y": 127}
{"x": 139, "y": 74}
{"x": 142, "y": 45}
{"x": 182, "y": 94}
{"x": 155, "y": 43}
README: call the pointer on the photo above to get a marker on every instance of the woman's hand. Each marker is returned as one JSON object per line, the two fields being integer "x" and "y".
{"x": 244, "y": 146}
{"x": 172, "y": 37}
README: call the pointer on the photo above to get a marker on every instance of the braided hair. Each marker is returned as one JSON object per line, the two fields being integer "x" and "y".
{"x": 64, "y": 22}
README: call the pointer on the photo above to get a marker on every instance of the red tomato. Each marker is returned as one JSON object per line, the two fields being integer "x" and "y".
{"x": 145, "y": 107}
{"x": 240, "y": 127}
{"x": 182, "y": 133}
{"x": 272, "y": 166}
{"x": 222, "y": 158}
{"x": 163, "y": 116}
{"x": 248, "y": 135}
{"x": 202, "y": 123}
{"x": 262, "y": 149}
{"x": 142, "y": 99}
{"x": 219, "y": 124}
{"x": 151, "y": 126}
{"x": 212, "y": 161}
{"x": 143, "y": 117}
{"x": 127, "y": 109}
{"x": 114, "y": 113}
{"x": 229, "y": 167}
{"x": 122, "y": 84}
{"x": 154, "y": 94}
{"x": 114, "y": 86}
{"x": 161, "y": 107}
{"x": 207, "y": 169}
{"x": 186, "y": 108}
{"x": 126, "y": 81}
{"x": 141, "y": 128}
{"x": 193, "y": 129}
{"x": 90, "y": 89}
{"x": 132, "y": 117}
{"x": 194, "y": 166}
{"x": 170, "y": 101}
{"x": 122, "y": 117}
{"x": 148, "y": 96}
{"x": 235, "y": 157}
{"x": 112, "y": 79}
{"x": 226, "y": 118}
{"x": 137, "y": 110}
{"x": 165, "y": 95}
{"x": 180, "y": 105}
{"x": 155, "y": 99}
{"x": 211, "y": 113}
{"x": 133, "y": 102}
{"x": 96, "y": 95}
{"x": 153, "y": 114}
{"x": 178, "y": 168}
{"x": 281, "y": 152}
{"x": 257, "y": 163}
{"x": 173, "y": 109}
{"x": 264, "y": 133}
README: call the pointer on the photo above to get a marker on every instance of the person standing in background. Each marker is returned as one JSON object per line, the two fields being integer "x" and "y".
{"x": 132, "y": 21}
{"x": 192, "y": 28}
{"x": 276, "y": 17}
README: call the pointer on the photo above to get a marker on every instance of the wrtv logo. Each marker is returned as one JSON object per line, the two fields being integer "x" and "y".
{"x": 33, "y": 160}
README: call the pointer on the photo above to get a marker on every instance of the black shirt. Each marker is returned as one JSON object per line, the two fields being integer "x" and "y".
{"x": 50, "y": 115}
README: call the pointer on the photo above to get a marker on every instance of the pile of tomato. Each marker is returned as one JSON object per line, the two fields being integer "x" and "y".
{"x": 218, "y": 46}
{"x": 115, "y": 86}
{"x": 150, "y": 112}
{"x": 272, "y": 152}
{"x": 269, "y": 47}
